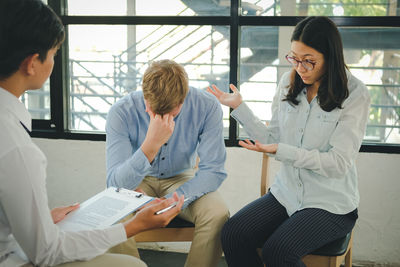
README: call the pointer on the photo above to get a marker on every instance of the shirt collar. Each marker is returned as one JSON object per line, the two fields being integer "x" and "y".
{"x": 348, "y": 74}
{"x": 16, "y": 107}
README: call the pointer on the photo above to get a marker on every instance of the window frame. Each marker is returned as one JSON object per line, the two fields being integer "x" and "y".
{"x": 56, "y": 127}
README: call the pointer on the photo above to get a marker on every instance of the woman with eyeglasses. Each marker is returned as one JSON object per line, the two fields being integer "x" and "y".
{"x": 319, "y": 116}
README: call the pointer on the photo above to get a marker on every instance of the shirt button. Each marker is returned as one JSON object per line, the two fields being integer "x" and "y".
{"x": 162, "y": 158}
{"x": 301, "y": 130}
{"x": 162, "y": 174}
{"x": 299, "y": 184}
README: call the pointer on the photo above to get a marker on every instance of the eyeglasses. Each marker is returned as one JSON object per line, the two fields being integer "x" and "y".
{"x": 308, "y": 65}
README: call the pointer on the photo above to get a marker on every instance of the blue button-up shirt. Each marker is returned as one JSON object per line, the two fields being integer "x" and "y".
{"x": 317, "y": 149}
{"x": 198, "y": 132}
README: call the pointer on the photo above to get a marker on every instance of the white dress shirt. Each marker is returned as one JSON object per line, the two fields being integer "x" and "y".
{"x": 317, "y": 149}
{"x": 25, "y": 219}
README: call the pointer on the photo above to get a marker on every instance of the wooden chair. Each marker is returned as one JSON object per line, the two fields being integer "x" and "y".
{"x": 330, "y": 255}
{"x": 178, "y": 230}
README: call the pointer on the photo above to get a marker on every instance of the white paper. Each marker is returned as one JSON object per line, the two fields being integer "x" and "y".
{"x": 104, "y": 209}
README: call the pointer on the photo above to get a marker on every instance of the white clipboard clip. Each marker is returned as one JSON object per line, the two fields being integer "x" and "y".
{"x": 128, "y": 192}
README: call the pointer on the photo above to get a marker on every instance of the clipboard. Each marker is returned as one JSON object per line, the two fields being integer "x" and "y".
{"x": 104, "y": 209}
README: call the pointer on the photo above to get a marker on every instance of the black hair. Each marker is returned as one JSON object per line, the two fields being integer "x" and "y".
{"x": 27, "y": 27}
{"x": 321, "y": 34}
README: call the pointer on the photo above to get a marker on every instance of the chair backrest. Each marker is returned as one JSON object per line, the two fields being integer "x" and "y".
{"x": 264, "y": 174}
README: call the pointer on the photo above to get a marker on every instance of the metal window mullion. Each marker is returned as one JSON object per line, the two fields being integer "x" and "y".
{"x": 146, "y": 20}
{"x": 58, "y": 81}
{"x": 342, "y": 21}
{"x": 234, "y": 64}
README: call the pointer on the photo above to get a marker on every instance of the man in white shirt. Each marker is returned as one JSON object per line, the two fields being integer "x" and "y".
{"x": 30, "y": 34}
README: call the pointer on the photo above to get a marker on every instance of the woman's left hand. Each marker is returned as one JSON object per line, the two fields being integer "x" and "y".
{"x": 58, "y": 214}
{"x": 271, "y": 148}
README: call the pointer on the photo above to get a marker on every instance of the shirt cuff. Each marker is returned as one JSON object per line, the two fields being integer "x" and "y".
{"x": 116, "y": 234}
{"x": 242, "y": 113}
{"x": 180, "y": 192}
{"x": 286, "y": 153}
{"x": 140, "y": 162}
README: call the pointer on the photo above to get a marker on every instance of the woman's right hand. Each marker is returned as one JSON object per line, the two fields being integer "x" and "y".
{"x": 147, "y": 219}
{"x": 232, "y": 100}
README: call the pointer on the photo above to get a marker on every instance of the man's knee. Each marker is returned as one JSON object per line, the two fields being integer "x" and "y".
{"x": 219, "y": 215}
{"x": 213, "y": 213}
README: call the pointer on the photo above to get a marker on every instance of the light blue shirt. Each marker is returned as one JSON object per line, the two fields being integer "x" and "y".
{"x": 198, "y": 131}
{"x": 317, "y": 149}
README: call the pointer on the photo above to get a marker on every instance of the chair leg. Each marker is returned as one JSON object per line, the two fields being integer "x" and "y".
{"x": 349, "y": 258}
{"x": 334, "y": 261}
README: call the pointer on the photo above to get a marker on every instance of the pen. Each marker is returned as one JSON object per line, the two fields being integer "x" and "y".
{"x": 170, "y": 207}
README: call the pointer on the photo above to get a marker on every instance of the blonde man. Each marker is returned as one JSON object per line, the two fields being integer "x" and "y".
{"x": 153, "y": 140}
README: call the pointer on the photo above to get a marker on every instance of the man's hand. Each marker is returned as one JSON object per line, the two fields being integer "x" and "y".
{"x": 160, "y": 130}
{"x": 147, "y": 218}
{"x": 271, "y": 148}
{"x": 232, "y": 100}
{"x": 58, "y": 214}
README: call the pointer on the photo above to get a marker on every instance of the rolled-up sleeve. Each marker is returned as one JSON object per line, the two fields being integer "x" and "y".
{"x": 125, "y": 168}
{"x": 254, "y": 127}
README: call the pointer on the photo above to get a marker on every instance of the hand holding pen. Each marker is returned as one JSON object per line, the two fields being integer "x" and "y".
{"x": 147, "y": 218}
{"x": 170, "y": 207}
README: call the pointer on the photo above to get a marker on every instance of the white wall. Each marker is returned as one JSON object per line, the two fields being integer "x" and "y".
{"x": 76, "y": 170}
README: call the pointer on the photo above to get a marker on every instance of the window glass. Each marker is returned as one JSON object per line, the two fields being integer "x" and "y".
{"x": 320, "y": 8}
{"x": 372, "y": 54}
{"x": 107, "y": 62}
{"x": 149, "y": 7}
{"x": 38, "y": 102}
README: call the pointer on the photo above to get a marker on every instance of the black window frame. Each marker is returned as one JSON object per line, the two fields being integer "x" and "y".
{"x": 56, "y": 127}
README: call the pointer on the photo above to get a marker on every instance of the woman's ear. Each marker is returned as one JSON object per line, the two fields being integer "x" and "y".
{"x": 28, "y": 65}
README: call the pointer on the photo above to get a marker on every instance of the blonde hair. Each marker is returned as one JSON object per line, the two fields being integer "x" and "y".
{"x": 165, "y": 86}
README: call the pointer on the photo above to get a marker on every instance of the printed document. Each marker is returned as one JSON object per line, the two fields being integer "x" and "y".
{"x": 104, "y": 209}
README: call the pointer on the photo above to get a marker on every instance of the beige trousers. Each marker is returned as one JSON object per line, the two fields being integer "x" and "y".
{"x": 105, "y": 260}
{"x": 208, "y": 213}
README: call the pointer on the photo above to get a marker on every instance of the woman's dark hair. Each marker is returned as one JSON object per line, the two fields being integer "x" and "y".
{"x": 321, "y": 34}
{"x": 27, "y": 27}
